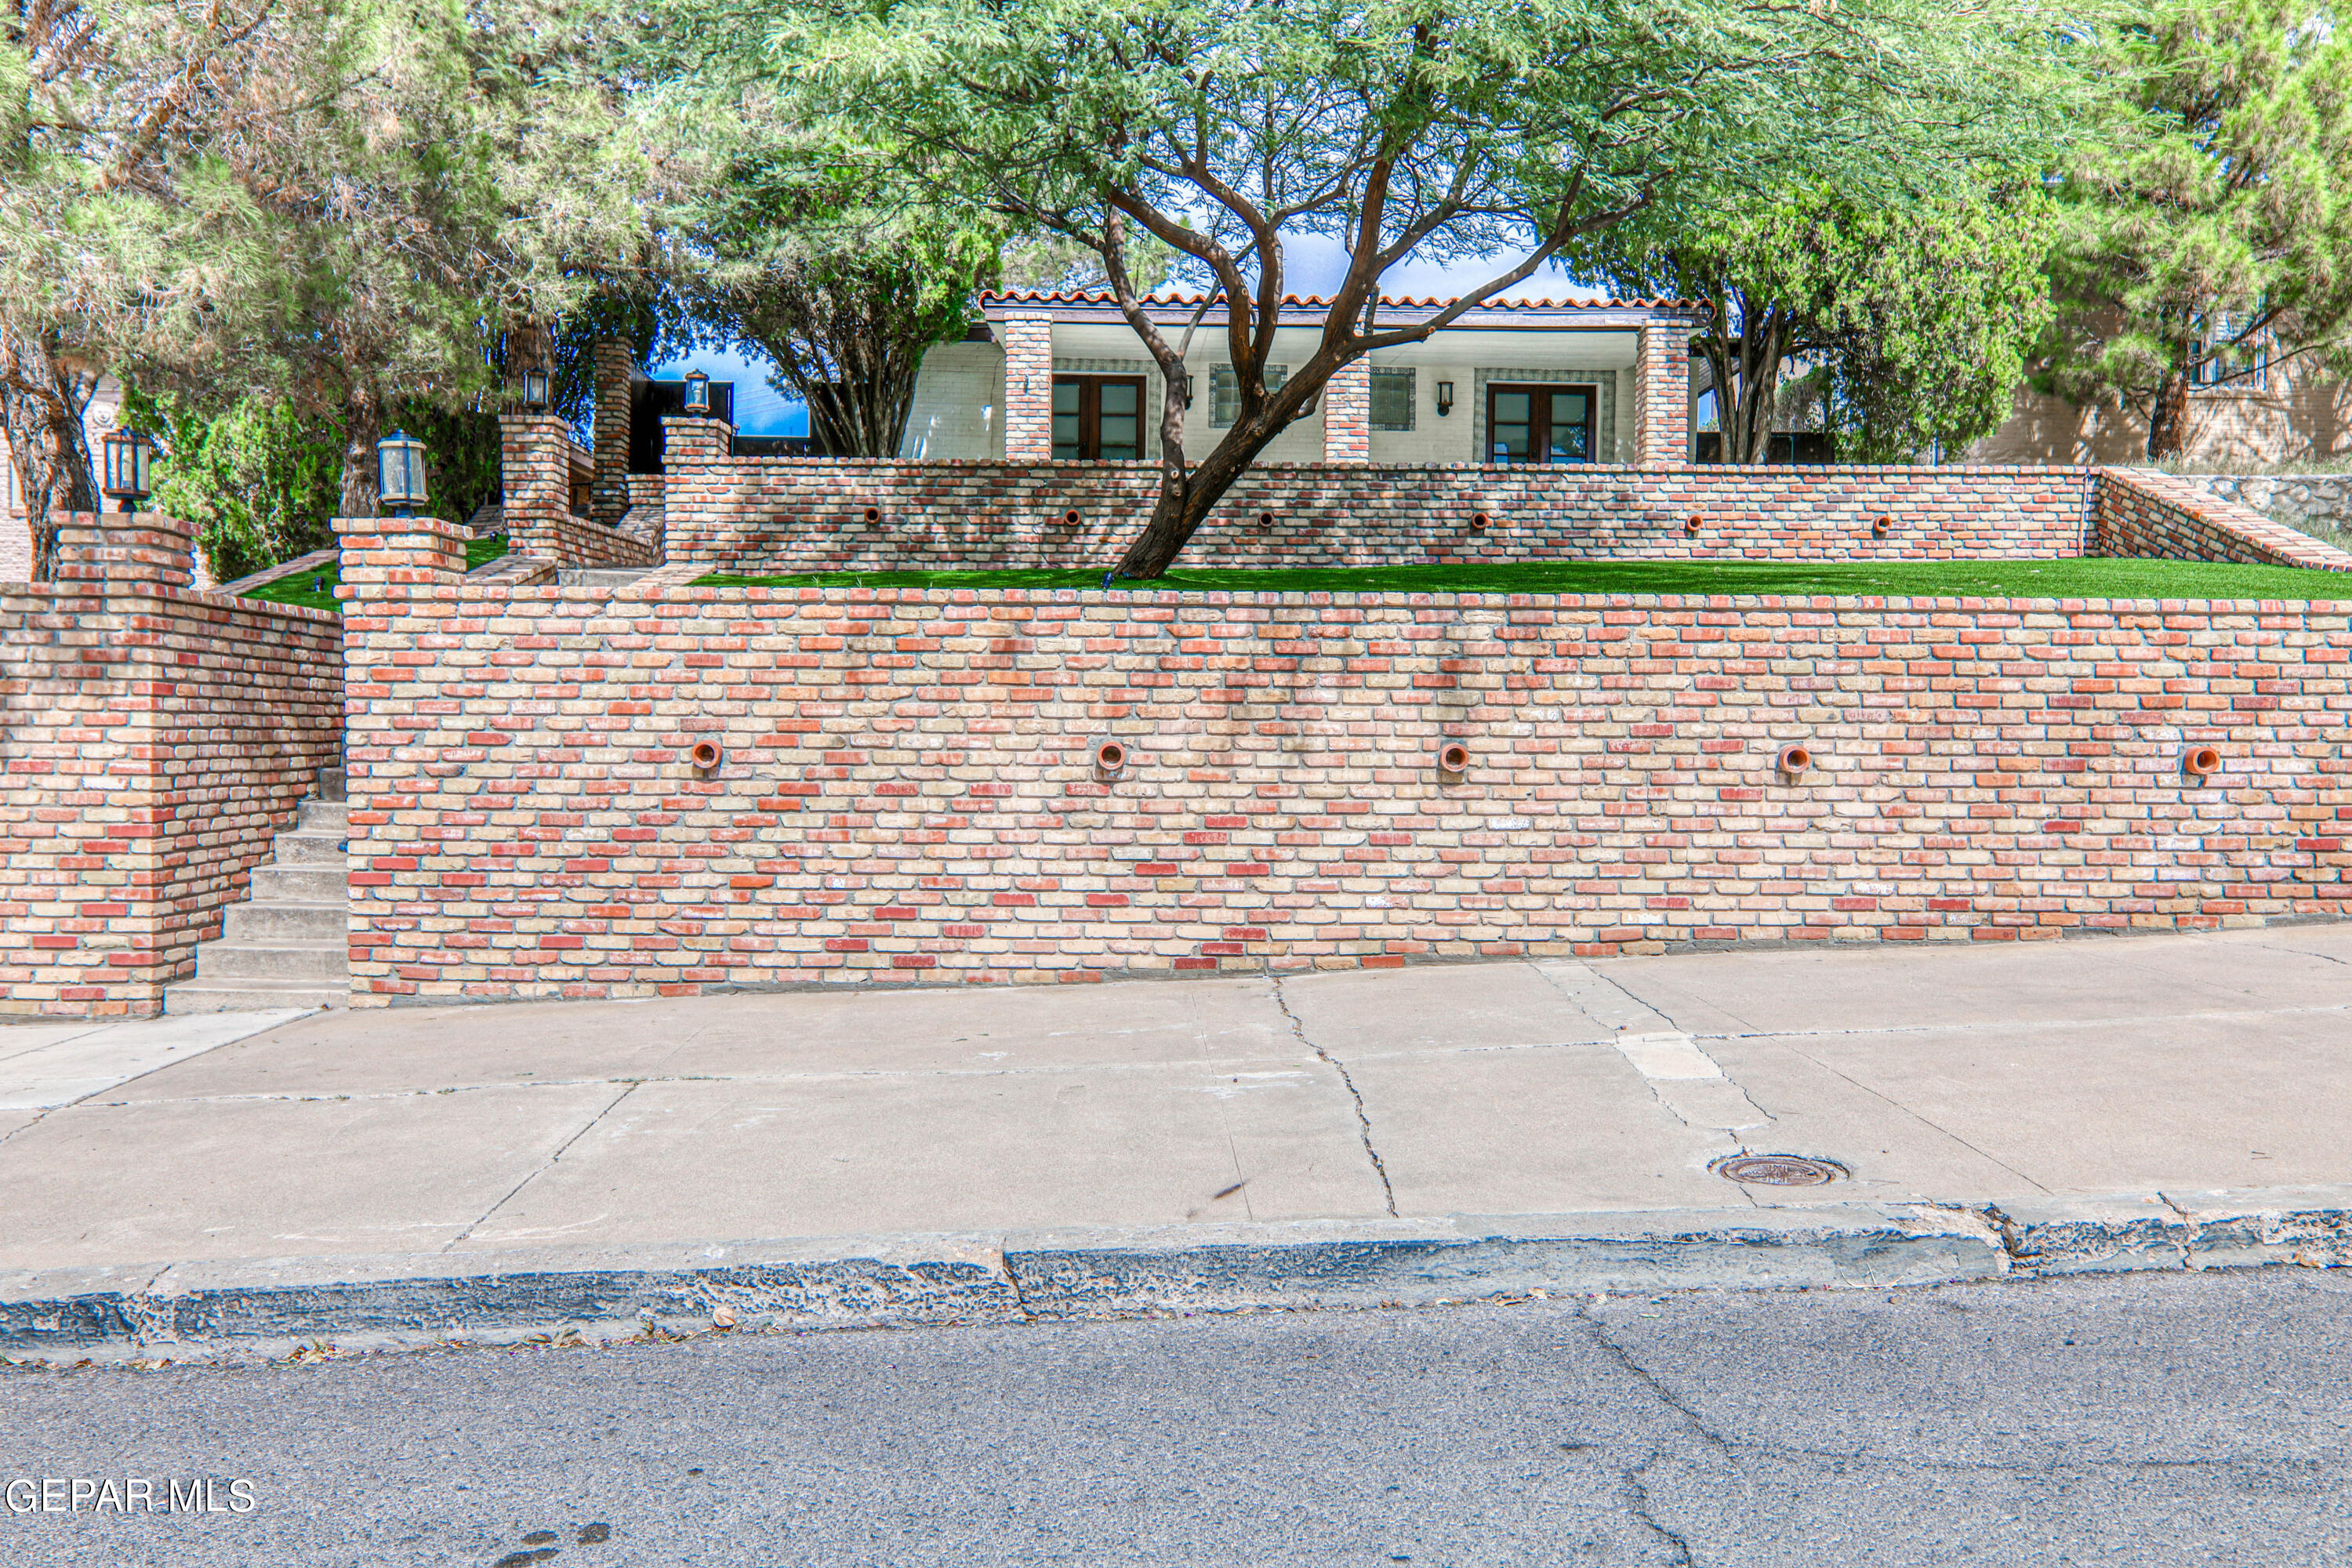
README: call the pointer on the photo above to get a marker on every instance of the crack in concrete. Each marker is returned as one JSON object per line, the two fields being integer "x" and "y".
{"x": 1638, "y": 1504}
{"x": 540, "y": 1170}
{"x": 1363, "y": 1118}
{"x": 1649, "y": 1380}
{"x": 1922, "y": 1120}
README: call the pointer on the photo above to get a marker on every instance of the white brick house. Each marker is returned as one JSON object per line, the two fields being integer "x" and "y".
{"x": 1512, "y": 381}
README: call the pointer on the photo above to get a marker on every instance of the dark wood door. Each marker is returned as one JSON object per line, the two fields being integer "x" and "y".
{"x": 1099, "y": 416}
{"x": 1539, "y": 424}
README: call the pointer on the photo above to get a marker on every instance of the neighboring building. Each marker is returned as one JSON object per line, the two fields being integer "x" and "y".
{"x": 2282, "y": 414}
{"x": 1517, "y": 380}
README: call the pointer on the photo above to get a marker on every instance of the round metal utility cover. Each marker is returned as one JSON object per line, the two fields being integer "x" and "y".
{"x": 1779, "y": 1171}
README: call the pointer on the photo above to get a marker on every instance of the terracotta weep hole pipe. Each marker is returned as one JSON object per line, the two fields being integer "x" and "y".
{"x": 1070, "y": 519}
{"x": 1794, "y": 758}
{"x": 1478, "y": 521}
{"x": 2201, "y": 762}
{"x": 1110, "y": 756}
{"x": 703, "y": 754}
{"x": 1453, "y": 757}
{"x": 1266, "y": 520}
{"x": 1881, "y": 526}
{"x": 1691, "y": 524}
{"x": 872, "y": 515}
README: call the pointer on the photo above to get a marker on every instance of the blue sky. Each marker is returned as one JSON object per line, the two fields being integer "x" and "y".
{"x": 1317, "y": 264}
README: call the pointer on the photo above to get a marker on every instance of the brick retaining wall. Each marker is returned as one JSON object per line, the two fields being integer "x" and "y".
{"x": 907, "y": 790}
{"x": 2144, "y": 512}
{"x": 772, "y": 515}
{"x": 156, "y": 740}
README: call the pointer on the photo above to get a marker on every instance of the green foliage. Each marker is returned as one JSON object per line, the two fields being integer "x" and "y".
{"x": 2211, "y": 222}
{"x": 259, "y": 482}
{"x": 1915, "y": 315}
{"x": 263, "y": 480}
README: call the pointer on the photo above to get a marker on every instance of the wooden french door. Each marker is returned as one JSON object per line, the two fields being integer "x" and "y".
{"x": 1099, "y": 416}
{"x": 1539, "y": 424}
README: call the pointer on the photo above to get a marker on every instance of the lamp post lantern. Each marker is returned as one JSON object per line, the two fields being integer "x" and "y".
{"x": 400, "y": 473}
{"x": 530, "y": 388}
{"x": 698, "y": 394}
{"x": 126, "y": 453}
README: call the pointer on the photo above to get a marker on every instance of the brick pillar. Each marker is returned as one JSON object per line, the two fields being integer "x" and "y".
{"x": 688, "y": 444}
{"x": 1028, "y": 388}
{"x": 143, "y": 549}
{"x": 377, "y": 551}
{"x": 1348, "y": 414}
{"x": 535, "y": 481}
{"x": 1662, "y": 396}
{"x": 616, "y": 363}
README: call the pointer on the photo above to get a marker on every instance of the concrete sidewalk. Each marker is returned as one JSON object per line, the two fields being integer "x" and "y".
{"x": 1960, "y": 1088}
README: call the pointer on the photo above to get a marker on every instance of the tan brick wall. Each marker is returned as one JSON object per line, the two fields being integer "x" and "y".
{"x": 783, "y": 514}
{"x": 906, "y": 789}
{"x": 1028, "y": 386}
{"x": 1348, "y": 414}
{"x": 157, "y": 738}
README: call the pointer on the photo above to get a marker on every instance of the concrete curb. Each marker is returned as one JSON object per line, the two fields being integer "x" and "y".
{"x": 265, "y": 1309}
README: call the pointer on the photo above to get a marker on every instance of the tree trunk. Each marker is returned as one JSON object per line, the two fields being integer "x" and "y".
{"x": 42, "y": 401}
{"x": 363, "y": 427}
{"x": 2168, "y": 424}
{"x": 1184, "y": 502}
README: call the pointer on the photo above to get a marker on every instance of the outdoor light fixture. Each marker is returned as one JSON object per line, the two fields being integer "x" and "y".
{"x": 1188, "y": 389}
{"x": 531, "y": 386}
{"x": 127, "y": 452}
{"x": 698, "y": 394}
{"x": 1444, "y": 398}
{"x": 400, "y": 473}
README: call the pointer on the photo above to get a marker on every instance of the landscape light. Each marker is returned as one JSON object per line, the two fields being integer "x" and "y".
{"x": 126, "y": 452}
{"x": 400, "y": 473}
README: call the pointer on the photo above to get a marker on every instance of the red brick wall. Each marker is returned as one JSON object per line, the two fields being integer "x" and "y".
{"x": 535, "y": 467}
{"x": 155, "y": 740}
{"x": 2144, "y": 512}
{"x": 785, "y": 515}
{"x": 908, "y": 792}
{"x": 1661, "y": 397}
{"x": 1028, "y": 386}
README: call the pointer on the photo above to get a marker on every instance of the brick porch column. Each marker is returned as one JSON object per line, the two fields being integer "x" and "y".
{"x": 1028, "y": 388}
{"x": 377, "y": 551}
{"x": 615, "y": 363}
{"x": 1348, "y": 414}
{"x": 535, "y": 481}
{"x": 1662, "y": 396}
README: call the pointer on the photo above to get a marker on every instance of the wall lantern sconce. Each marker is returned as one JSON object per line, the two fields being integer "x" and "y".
{"x": 1188, "y": 389}
{"x": 1444, "y": 398}
{"x": 530, "y": 388}
{"x": 400, "y": 474}
{"x": 126, "y": 453}
{"x": 698, "y": 394}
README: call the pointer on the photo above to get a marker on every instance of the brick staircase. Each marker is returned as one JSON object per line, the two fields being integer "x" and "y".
{"x": 286, "y": 945}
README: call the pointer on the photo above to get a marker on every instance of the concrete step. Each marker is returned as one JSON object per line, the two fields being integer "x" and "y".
{"x": 250, "y": 995}
{"x": 274, "y": 921}
{"x": 326, "y": 816}
{"x": 279, "y": 958}
{"x": 312, "y": 846}
{"x": 319, "y": 884}
{"x": 330, "y": 785}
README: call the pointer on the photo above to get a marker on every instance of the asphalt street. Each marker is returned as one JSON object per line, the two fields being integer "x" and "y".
{"x": 2134, "y": 1419}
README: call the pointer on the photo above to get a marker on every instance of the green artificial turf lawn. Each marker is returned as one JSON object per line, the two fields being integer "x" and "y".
{"x": 297, "y": 590}
{"x": 2076, "y": 579}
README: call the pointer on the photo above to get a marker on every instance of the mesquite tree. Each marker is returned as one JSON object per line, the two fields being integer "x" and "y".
{"x": 2211, "y": 228}
{"x": 1436, "y": 129}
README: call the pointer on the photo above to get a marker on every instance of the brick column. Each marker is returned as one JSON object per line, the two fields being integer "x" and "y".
{"x": 535, "y": 482}
{"x": 1348, "y": 414}
{"x": 377, "y": 551}
{"x": 615, "y": 365}
{"x": 1662, "y": 396}
{"x": 1028, "y": 388}
{"x": 142, "y": 550}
